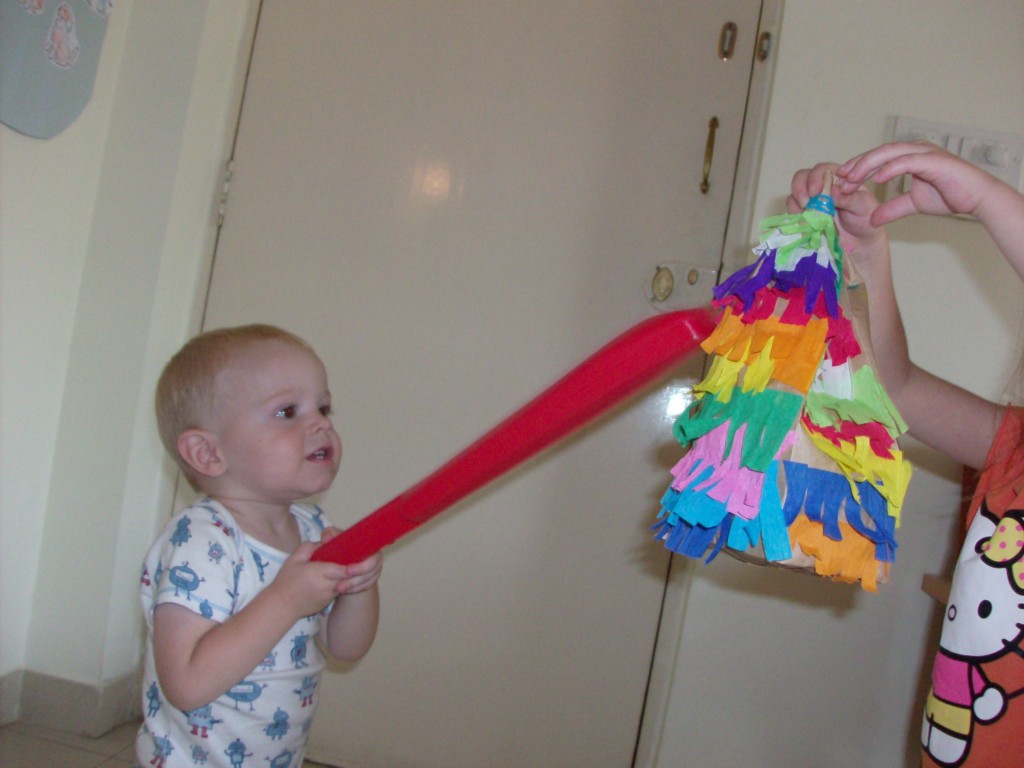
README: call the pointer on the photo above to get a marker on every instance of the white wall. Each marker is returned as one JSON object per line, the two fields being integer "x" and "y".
{"x": 105, "y": 234}
{"x": 41, "y": 263}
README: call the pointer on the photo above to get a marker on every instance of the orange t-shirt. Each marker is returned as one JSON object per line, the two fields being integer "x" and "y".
{"x": 974, "y": 715}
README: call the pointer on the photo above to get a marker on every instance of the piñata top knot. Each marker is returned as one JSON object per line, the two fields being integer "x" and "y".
{"x": 822, "y": 203}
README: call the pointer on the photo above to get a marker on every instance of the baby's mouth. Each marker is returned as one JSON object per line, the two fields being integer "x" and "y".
{"x": 321, "y": 454}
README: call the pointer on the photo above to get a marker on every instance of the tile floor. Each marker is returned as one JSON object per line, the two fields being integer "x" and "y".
{"x": 29, "y": 746}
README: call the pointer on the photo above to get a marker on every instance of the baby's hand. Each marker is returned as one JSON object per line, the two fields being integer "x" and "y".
{"x": 329, "y": 533}
{"x": 941, "y": 183}
{"x": 308, "y": 586}
{"x": 360, "y": 577}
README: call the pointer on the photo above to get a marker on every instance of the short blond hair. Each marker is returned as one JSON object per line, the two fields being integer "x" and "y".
{"x": 187, "y": 389}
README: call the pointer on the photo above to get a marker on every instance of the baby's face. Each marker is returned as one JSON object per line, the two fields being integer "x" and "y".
{"x": 273, "y": 424}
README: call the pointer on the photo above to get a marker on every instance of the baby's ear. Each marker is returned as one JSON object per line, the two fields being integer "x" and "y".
{"x": 199, "y": 450}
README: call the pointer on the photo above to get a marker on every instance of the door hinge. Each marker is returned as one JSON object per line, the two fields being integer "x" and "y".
{"x": 225, "y": 188}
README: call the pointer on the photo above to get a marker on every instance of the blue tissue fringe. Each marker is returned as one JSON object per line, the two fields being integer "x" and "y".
{"x": 822, "y": 495}
{"x": 708, "y": 527}
{"x": 691, "y": 523}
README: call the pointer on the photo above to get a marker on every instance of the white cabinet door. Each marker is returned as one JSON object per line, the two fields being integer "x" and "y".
{"x": 455, "y": 203}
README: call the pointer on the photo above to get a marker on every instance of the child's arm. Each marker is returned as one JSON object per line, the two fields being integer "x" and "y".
{"x": 940, "y": 414}
{"x": 352, "y": 625}
{"x": 198, "y": 659}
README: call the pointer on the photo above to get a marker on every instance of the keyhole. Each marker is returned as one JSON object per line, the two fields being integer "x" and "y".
{"x": 663, "y": 284}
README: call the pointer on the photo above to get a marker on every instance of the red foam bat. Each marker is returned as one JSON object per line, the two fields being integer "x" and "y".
{"x": 617, "y": 370}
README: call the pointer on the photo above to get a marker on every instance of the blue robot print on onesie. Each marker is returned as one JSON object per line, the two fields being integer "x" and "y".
{"x": 206, "y": 610}
{"x": 182, "y": 531}
{"x": 152, "y": 699}
{"x": 305, "y": 693}
{"x": 201, "y": 720}
{"x": 199, "y": 755}
{"x": 282, "y": 760}
{"x": 261, "y": 564}
{"x": 247, "y": 691}
{"x": 218, "y": 521}
{"x": 215, "y": 552}
{"x": 236, "y": 753}
{"x": 184, "y": 580}
{"x": 236, "y": 572}
{"x": 300, "y": 650}
{"x": 269, "y": 662}
{"x": 162, "y": 749}
{"x": 278, "y": 729}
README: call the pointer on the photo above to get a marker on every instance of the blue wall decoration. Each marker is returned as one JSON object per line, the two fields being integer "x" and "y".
{"x": 49, "y": 52}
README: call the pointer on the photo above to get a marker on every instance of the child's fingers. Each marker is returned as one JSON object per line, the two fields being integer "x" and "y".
{"x": 331, "y": 571}
{"x": 329, "y": 533}
{"x": 357, "y": 584}
{"x": 884, "y": 162}
{"x": 798, "y": 194}
{"x": 355, "y": 587}
{"x": 858, "y": 168}
{"x": 302, "y": 556}
{"x": 808, "y": 183}
{"x": 304, "y": 551}
{"x": 372, "y": 563}
{"x": 320, "y": 576}
{"x": 898, "y": 207}
{"x": 361, "y": 576}
{"x": 845, "y": 185}
{"x": 857, "y": 201}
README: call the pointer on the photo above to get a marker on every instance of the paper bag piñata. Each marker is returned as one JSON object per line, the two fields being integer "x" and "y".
{"x": 792, "y": 455}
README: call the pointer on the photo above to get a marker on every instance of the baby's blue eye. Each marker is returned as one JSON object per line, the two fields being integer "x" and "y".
{"x": 326, "y": 410}
{"x": 288, "y": 412}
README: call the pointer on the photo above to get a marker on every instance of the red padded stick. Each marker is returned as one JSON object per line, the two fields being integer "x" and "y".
{"x": 617, "y": 370}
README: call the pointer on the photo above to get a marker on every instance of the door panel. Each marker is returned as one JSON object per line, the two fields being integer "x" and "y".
{"x": 455, "y": 203}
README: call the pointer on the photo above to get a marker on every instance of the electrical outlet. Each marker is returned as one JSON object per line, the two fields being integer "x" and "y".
{"x": 1001, "y": 154}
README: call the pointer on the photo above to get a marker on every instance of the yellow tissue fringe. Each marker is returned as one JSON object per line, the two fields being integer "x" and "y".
{"x": 889, "y": 476}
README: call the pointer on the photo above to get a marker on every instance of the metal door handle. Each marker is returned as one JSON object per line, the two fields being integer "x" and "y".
{"x": 709, "y": 153}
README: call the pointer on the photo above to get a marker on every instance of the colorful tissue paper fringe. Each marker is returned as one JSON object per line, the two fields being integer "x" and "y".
{"x": 792, "y": 442}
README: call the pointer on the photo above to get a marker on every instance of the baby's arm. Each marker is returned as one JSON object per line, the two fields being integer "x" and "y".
{"x": 939, "y": 413}
{"x": 352, "y": 626}
{"x": 198, "y": 659}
